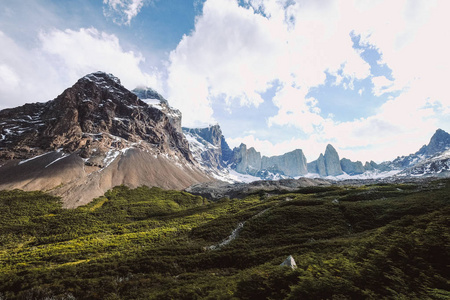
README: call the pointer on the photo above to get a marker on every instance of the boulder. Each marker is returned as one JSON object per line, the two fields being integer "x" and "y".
{"x": 289, "y": 262}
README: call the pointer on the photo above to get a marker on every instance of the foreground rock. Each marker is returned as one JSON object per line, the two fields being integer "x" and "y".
{"x": 289, "y": 262}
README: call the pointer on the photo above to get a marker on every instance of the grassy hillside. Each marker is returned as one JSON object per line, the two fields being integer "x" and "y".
{"x": 369, "y": 242}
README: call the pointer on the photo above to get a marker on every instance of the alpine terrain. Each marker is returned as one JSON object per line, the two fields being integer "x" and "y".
{"x": 247, "y": 164}
{"x": 92, "y": 137}
{"x": 104, "y": 195}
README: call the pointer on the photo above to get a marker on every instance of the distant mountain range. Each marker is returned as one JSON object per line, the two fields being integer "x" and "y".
{"x": 97, "y": 134}
{"x": 210, "y": 149}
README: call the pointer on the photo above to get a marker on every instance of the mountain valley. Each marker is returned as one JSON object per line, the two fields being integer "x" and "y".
{"x": 104, "y": 195}
{"x": 97, "y": 135}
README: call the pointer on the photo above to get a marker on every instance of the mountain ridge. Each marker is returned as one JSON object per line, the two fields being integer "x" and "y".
{"x": 93, "y": 136}
{"x": 98, "y": 134}
{"x": 248, "y": 161}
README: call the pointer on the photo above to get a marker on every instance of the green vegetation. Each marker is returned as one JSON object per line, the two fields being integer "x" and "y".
{"x": 368, "y": 242}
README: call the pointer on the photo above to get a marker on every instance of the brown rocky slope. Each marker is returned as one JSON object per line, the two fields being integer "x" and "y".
{"x": 95, "y": 135}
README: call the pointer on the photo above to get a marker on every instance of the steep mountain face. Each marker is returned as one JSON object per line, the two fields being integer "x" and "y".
{"x": 95, "y": 135}
{"x": 439, "y": 143}
{"x": 246, "y": 161}
{"x": 332, "y": 163}
{"x": 291, "y": 164}
{"x": 437, "y": 165}
{"x": 153, "y": 99}
{"x": 326, "y": 165}
{"x": 249, "y": 161}
{"x": 208, "y": 146}
{"x": 353, "y": 168}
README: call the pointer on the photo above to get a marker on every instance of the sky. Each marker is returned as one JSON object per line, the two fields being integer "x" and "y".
{"x": 367, "y": 76}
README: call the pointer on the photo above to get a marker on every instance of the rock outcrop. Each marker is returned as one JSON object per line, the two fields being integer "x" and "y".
{"x": 154, "y": 99}
{"x": 291, "y": 164}
{"x": 353, "y": 168}
{"x": 439, "y": 142}
{"x": 289, "y": 262}
{"x": 95, "y": 135}
{"x": 326, "y": 165}
{"x": 246, "y": 161}
{"x": 332, "y": 163}
{"x": 208, "y": 146}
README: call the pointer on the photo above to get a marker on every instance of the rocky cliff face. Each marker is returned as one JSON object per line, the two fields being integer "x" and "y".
{"x": 332, "y": 163}
{"x": 209, "y": 146}
{"x": 154, "y": 99}
{"x": 326, "y": 165}
{"x": 90, "y": 117}
{"x": 291, "y": 164}
{"x": 353, "y": 168}
{"x": 246, "y": 161}
{"x": 439, "y": 142}
{"x": 88, "y": 129}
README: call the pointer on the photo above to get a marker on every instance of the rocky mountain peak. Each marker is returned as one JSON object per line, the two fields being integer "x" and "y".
{"x": 208, "y": 146}
{"x": 93, "y": 116}
{"x": 330, "y": 150}
{"x": 211, "y": 134}
{"x": 439, "y": 142}
{"x": 327, "y": 164}
{"x": 148, "y": 93}
{"x": 101, "y": 78}
{"x": 93, "y": 136}
{"x": 332, "y": 162}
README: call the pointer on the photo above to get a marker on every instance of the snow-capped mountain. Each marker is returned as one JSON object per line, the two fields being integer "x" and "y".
{"x": 436, "y": 165}
{"x": 97, "y": 134}
{"x": 248, "y": 162}
{"x": 439, "y": 143}
{"x": 92, "y": 137}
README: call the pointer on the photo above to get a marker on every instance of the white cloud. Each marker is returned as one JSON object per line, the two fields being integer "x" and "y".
{"x": 122, "y": 11}
{"x": 25, "y": 76}
{"x": 409, "y": 35}
{"x": 235, "y": 53}
{"x": 296, "y": 109}
{"x": 231, "y": 55}
{"x": 61, "y": 58}
{"x": 88, "y": 50}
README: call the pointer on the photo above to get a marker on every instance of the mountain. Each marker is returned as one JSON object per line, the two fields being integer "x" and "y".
{"x": 437, "y": 165}
{"x": 249, "y": 161}
{"x": 353, "y": 168}
{"x": 92, "y": 137}
{"x": 246, "y": 161}
{"x": 207, "y": 145}
{"x": 439, "y": 143}
{"x": 154, "y": 99}
{"x": 328, "y": 164}
{"x": 209, "y": 148}
{"x": 291, "y": 163}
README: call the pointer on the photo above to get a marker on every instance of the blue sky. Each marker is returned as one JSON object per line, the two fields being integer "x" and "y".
{"x": 368, "y": 77}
